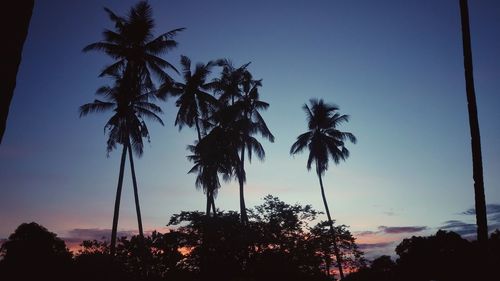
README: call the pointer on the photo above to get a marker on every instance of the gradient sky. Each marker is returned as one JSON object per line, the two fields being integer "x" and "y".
{"x": 395, "y": 66}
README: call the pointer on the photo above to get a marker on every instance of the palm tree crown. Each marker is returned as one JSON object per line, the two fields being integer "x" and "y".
{"x": 127, "y": 123}
{"x": 323, "y": 139}
{"x": 133, "y": 46}
{"x": 194, "y": 102}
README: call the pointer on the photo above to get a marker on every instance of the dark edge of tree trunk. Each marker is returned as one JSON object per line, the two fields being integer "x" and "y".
{"x": 15, "y": 32}
{"x": 198, "y": 129}
{"x": 335, "y": 247}
{"x": 480, "y": 202}
{"x": 209, "y": 204}
{"x": 243, "y": 210}
{"x": 117, "y": 203}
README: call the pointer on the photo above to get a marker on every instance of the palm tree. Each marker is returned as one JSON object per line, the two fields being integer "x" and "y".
{"x": 136, "y": 52}
{"x": 324, "y": 142}
{"x": 240, "y": 106}
{"x": 126, "y": 127}
{"x": 194, "y": 101}
{"x": 477, "y": 162}
{"x": 228, "y": 85}
{"x": 135, "y": 49}
{"x": 211, "y": 157}
{"x": 195, "y": 104}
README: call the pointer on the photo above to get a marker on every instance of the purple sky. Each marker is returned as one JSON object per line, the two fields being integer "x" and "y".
{"x": 395, "y": 66}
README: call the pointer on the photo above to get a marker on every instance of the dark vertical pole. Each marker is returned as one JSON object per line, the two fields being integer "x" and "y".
{"x": 477, "y": 165}
{"x": 14, "y": 28}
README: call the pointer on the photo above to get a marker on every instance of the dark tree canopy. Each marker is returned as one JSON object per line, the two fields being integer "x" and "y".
{"x": 33, "y": 251}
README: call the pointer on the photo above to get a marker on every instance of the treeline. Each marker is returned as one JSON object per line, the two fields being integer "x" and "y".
{"x": 444, "y": 256}
{"x": 281, "y": 242}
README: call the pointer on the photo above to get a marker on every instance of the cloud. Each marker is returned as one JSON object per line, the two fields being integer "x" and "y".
{"x": 365, "y": 233}
{"x": 491, "y": 209}
{"x": 382, "y": 241}
{"x": 372, "y": 246}
{"x": 464, "y": 229}
{"x": 469, "y": 230}
{"x": 401, "y": 229}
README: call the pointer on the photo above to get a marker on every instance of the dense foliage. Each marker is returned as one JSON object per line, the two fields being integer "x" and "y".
{"x": 280, "y": 242}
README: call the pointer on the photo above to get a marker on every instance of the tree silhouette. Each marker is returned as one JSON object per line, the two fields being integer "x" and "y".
{"x": 134, "y": 47}
{"x": 324, "y": 142}
{"x": 211, "y": 158}
{"x": 136, "y": 53}
{"x": 126, "y": 127}
{"x": 477, "y": 162}
{"x": 194, "y": 101}
{"x": 16, "y": 32}
{"x": 322, "y": 238}
{"x": 32, "y": 252}
{"x": 279, "y": 243}
{"x": 195, "y": 104}
{"x": 240, "y": 105}
{"x": 443, "y": 254}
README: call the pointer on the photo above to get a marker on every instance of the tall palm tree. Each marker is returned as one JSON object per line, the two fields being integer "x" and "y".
{"x": 126, "y": 127}
{"x": 477, "y": 162}
{"x": 137, "y": 54}
{"x": 324, "y": 142}
{"x": 195, "y": 104}
{"x": 240, "y": 105}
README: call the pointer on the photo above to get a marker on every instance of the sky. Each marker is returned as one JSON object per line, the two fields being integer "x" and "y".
{"x": 396, "y": 67}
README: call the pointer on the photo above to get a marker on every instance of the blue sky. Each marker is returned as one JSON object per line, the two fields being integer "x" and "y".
{"x": 394, "y": 66}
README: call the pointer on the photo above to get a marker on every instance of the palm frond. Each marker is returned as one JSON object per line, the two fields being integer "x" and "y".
{"x": 96, "y": 106}
{"x": 301, "y": 143}
{"x": 149, "y": 114}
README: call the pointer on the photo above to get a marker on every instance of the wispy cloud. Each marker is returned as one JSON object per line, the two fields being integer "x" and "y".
{"x": 383, "y": 241}
{"x": 365, "y": 233}
{"x": 365, "y": 247}
{"x": 468, "y": 230}
{"x": 491, "y": 209}
{"x": 401, "y": 229}
{"x": 465, "y": 230}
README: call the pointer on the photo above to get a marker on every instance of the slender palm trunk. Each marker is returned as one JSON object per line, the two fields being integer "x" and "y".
{"x": 330, "y": 222}
{"x": 241, "y": 177}
{"x": 117, "y": 202}
{"x": 198, "y": 129}
{"x": 210, "y": 197}
{"x": 136, "y": 193}
{"x": 213, "y": 205}
{"x": 209, "y": 202}
{"x": 477, "y": 165}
